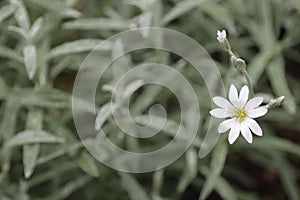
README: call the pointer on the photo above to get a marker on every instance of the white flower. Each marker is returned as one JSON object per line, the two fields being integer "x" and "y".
{"x": 221, "y": 36}
{"x": 241, "y": 113}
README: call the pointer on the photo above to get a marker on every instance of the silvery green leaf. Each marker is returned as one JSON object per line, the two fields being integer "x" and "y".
{"x": 157, "y": 180}
{"x": 133, "y": 188}
{"x": 141, "y": 4}
{"x": 78, "y": 46}
{"x": 87, "y": 163}
{"x": 220, "y": 13}
{"x": 223, "y": 188}
{"x": 30, "y": 155}
{"x": 258, "y": 65}
{"x": 35, "y": 28}
{"x": 10, "y": 54}
{"x": 21, "y": 15}
{"x": 32, "y": 137}
{"x": 8, "y": 126}
{"x": 18, "y": 30}
{"x": 53, "y": 5}
{"x": 279, "y": 83}
{"x": 145, "y": 22}
{"x": 74, "y": 185}
{"x": 6, "y": 11}
{"x": 170, "y": 127}
{"x": 216, "y": 165}
{"x": 190, "y": 172}
{"x": 72, "y": 148}
{"x": 31, "y": 151}
{"x": 29, "y": 53}
{"x": 131, "y": 87}
{"x": 69, "y": 12}
{"x": 274, "y": 143}
{"x": 104, "y": 113}
{"x": 181, "y": 8}
{"x": 97, "y": 24}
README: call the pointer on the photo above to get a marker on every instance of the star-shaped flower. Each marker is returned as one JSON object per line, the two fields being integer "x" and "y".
{"x": 221, "y": 36}
{"x": 241, "y": 113}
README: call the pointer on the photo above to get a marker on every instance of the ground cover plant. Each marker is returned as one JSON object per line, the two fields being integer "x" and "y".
{"x": 42, "y": 46}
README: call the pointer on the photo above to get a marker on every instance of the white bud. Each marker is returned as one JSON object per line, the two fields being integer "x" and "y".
{"x": 276, "y": 102}
{"x": 221, "y": 36}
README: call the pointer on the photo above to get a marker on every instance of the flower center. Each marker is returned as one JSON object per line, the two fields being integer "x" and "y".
{"x": 240, "y": 115}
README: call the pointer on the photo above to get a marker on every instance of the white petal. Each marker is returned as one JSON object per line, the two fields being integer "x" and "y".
{"x": 253, "y": 103}
{"x": 223, "y": 103}
{"x": 254, "y": 126}
{"x": 223, "y": 34}
{"x": 233, "y": 95}
{"x": 220, "y": 113}
{"x": 234, "y": 133}
{"x": 226, "y": 125}
{"x": 257, "y": 112}
{"x": 243, "y": 97}
{"x": 246, "y": 132}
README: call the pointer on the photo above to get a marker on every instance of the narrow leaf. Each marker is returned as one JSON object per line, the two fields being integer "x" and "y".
{"x": 35, "y": 28}
{"x": 29, "y": 53}
{"x": 181, "y": 8}
{"x": 33, "y": 136}
{"x": 31, "y": 151}
{"x": 97, "y": 24}
{"x": 223, "y": 188}
{"x": 87, "y": 163}
{"x": 133, "y": 188}
{"x": 70, "y": 187}
{"x": 78, "y": 46}
{"x": 104, "y": 113}
{"x": 216, "y": 165}
{"x": 10, "y": 54}
{"x": 274, "y": 143}
{"x": 190, "y": 172}
{"x": 21, "y": 15}
{"x": 30, "y": 155}
{"x": 6, "y": 11}
{"x": 279, "y": 83}
{"x": 170, "y": 127}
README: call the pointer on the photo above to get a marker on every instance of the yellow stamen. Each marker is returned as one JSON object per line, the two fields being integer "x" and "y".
{"x": 240, "y": 115}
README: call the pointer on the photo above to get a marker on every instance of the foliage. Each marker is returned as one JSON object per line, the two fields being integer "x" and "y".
{"x": 42, "y": 44}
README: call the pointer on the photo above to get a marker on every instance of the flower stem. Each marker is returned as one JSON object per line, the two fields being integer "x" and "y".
{"x": 245, "y": 73}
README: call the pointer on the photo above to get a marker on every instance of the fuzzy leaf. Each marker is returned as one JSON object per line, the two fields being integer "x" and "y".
{"x": 35, "y": 28}
{"x": 30, "y": 155}
{"x": 133, "y": 188}
{"x": 190, "y": 172}
{"x": 21, "y": 15}
{"x": 33, "y": 136}
{"x": 181, "y": 8}
{"x": 6, "y": 11}
{"x": 87, "y": 163}
{"x": 31, "y": 151}
{"x": 216, "y": 165}
{"x": 279, "y": 83}
{"x": 30, "y": 57}
{"x": 10, "y": 54}
{"x": 97, "y": 24}
{"x": 78, "y": 46}
{"x": 104, "y": 113}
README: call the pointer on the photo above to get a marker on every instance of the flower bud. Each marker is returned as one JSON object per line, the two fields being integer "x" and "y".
{"x": 276, "y": 102}
{"x": 238, "y": 63}
{"x": 221, "y": 37}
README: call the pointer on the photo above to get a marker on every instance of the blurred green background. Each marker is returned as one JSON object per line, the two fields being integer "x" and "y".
{"x": 43, "y": 43}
